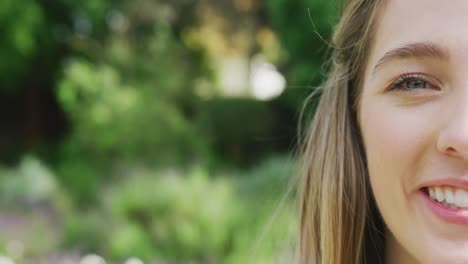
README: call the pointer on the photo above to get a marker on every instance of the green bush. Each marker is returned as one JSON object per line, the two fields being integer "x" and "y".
{"x": 130, "y": 239}
{"x": 184, "y": 217}
{"x": 192, "y": 216}
{"x": 180, "y": 216}
{"x": 80, "y": 179}
{"x": 115, "y": 119}
{"x": 267, "y": 231}
{"x": 86, "y": 231}
{"x": 137, "y": 101}
{"x": 29, "y": 182}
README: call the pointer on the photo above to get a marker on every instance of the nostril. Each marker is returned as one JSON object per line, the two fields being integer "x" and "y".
{"x": 456, "y": 153}
{"x": 451, "y": 149}
{"x": 454, "y": 144}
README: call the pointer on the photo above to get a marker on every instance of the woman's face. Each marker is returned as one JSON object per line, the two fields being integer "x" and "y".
{"x": 413, "y": 115}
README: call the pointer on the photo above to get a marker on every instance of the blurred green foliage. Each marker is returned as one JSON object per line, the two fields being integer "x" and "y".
{"x": 31, "y": 181}
{"x": 150, "y": 167}
{"x": 304, "y": 29}
{"x": 238, "y": 129}
{"x": 19, "y": 39}
{"x": 132, "y": 100}
{"x": 110, "y": 109}
{"x": 182, "y": 216}
{"x": 185, "y": 216}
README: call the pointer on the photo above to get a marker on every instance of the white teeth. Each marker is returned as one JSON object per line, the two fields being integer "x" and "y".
{"x": 461, "y": 198}
{"x": 449, "y": 197}
{"x": 439, "y": 195}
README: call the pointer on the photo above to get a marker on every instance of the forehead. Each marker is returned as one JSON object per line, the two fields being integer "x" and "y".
{"x": 401, "y": 22}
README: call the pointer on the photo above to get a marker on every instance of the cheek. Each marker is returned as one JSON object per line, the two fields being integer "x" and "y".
{"x": 396, "y": 140}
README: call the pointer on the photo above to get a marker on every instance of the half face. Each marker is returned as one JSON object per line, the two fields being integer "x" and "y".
{"x": 413, "y": 115}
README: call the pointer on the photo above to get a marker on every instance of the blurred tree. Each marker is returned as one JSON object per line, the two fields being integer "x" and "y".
{"x": 125, "y": 82}
{"x": 304, "y": 28}
{"x": 34, "y": 44}
{"x": 131, "y": 99}
{"x": 136, "y": 99}
{"x": 22, "y": 23}
{"x": 27, "y": 70}
{"x": 128, "y": 91}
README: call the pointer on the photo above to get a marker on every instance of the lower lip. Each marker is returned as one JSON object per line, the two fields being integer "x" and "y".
{"x": 454, "y": 216}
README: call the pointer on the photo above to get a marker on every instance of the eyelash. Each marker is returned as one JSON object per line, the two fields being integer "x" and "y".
{"x": 406, "y": 77}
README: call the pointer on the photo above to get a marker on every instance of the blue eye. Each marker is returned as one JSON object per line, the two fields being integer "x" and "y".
{"x": 415, "y": 84}
{"x": 411, "y": 82}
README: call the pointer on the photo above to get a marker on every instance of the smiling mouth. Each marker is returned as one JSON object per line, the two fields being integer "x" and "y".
{"x": 450, "y": 197}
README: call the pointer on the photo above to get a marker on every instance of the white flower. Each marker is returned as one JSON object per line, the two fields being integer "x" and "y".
{"x": 6, "y": 260}
{"x": 92, "y": 259}
{"x": 134, "y": 261}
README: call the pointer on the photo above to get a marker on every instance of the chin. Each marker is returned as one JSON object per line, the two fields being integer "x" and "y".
{"x": 452, "y": 259}
{"x": 438, "y": 254}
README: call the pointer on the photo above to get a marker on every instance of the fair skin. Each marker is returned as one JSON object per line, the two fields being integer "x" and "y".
{"x": 413, "y": 114}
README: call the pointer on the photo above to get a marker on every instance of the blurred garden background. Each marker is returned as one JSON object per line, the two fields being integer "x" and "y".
{"x": 154, "y": 131}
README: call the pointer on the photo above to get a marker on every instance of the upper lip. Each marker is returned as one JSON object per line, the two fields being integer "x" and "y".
{"x": 456, "y": 182}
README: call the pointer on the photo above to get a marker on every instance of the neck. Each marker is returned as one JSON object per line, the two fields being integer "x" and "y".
{"x": 395, "y": 253}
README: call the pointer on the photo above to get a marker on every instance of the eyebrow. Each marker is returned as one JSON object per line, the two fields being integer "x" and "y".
{"x": 414, "y": 50}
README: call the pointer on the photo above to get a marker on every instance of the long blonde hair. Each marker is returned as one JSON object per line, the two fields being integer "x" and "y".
{"x": 339, "y": 222}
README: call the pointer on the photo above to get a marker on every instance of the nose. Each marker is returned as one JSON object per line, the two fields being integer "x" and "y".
{"x": 453, "y": 137}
